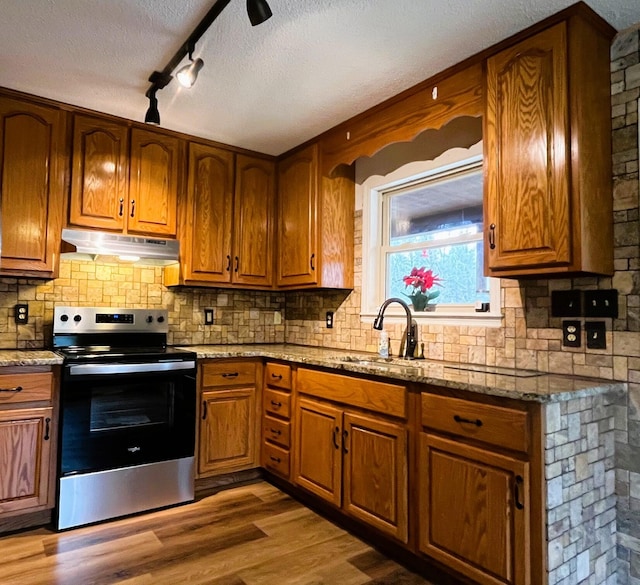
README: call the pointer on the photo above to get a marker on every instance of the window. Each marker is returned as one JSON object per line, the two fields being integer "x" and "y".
{"x": 433, "y": 220}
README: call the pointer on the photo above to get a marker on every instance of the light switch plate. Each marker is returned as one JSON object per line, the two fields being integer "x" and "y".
{"x": 208, "y": 316}
{"x": 596, "y": 334}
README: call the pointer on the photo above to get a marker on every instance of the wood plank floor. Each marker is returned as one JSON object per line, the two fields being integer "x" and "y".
{"x": 249, "y": 535}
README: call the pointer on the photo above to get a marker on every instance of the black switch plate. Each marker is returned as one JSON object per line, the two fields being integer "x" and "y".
{"x": 571, "y": 332}
{"x": 208, "y": 316}
{"x": 21, "y": 314}
{"x": 596, "y": 334}
{"x": 601, "y": 303}
{"x": 566, "y": 303}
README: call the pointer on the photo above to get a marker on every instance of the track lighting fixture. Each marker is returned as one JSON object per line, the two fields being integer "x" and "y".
{"x": 188, "y": 74}
{"x": 153, "y": 115}
{"x": 257, "y": 10}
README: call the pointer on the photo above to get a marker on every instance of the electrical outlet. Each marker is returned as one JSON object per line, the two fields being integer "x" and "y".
{"x": 571, "y": 331}
{"x": 596, "y": 334}
{"x": 329, "y": 319}
{"x": 21, "y": 314}
{"x": 208, "y": 316}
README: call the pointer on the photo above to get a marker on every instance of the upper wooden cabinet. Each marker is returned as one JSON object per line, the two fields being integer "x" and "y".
{"x": 32, "y": 172}
{"x": 124, "y": 180}
{"x": 315, "y": 230}
{"x": 547, "y": 142}
{"x": 226, "y": 232}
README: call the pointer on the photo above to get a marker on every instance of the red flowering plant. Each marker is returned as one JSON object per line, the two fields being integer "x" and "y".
{"x": 422, "y": 281}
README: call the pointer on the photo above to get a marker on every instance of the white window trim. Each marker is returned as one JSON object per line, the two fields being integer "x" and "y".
{"x": 372, "y": 288}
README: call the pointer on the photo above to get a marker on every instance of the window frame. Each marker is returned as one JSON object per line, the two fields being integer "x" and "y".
{"x": 373, "y": 286}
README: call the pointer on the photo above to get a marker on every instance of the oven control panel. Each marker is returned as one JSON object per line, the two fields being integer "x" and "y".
{"x": 107, "y": 319}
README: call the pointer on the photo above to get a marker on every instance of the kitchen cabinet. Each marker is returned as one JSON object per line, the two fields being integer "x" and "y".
{"x": 26, "y": 436}
{"x": 32, "y": 188}
{"x": 547, "y": 128}
{"x": 276, "y": 419}
{"x": 475, "y": 506}
{"x": 226, "y": 221}
{"x": 315, "y": 223}
{"x": 228, "y": 430}
{"x": 124, "y": 180}
{"x": 357, "y": 461}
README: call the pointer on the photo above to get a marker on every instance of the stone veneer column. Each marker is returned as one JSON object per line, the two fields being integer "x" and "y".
{"x": 581, "y": 500}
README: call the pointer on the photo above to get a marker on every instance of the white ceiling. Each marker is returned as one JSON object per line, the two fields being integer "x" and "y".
{"x": 268, "y": 88}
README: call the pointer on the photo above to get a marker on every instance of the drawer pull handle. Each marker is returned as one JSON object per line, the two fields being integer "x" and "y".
{"x": 47, "y": 428}
{"x": 276, "y": 404}
{"x": 460, "y": 419}
{"x": 276, "y": 432}
{"x": 276, "y": 376}
{"x": 336, "y": 434}
{"x": 230, "y": 375}
{"x": 13, "y": 390}
{"x": 276, "y": 459}
{"x": 519, "y": 482}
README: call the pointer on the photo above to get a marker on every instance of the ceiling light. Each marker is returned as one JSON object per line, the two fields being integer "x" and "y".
{"x": 153, "y": 115}
{"x": 258, "y": 11}
{"x": 188, "y": 74}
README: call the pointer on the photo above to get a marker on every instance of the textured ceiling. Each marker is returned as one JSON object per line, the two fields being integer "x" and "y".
{"x": 268, "y": 88}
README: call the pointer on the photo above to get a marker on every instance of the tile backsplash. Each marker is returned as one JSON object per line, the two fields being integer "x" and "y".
{"x": 240, "y": 316}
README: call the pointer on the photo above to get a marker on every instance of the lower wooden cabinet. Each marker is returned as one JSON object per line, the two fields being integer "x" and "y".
{"x": 228, "y": 430}
{"x": 27, "y": 453}
{"x": 355, "y": 461}
{"x": 474, "y": 510}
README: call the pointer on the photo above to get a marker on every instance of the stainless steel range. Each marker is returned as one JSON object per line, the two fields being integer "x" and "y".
{"x": 127, "y": 414}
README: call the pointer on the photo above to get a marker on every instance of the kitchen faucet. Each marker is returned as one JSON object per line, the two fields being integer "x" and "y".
{"x": 412, "y": 327}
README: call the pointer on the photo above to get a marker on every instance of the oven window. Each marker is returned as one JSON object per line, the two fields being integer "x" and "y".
{"x": 130, "y": 406}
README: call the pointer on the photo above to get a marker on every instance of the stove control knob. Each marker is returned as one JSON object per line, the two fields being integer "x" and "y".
{"x": 77, "y": 318}
{"x": 149, "y": 319}
{"x": 160, "y": 319}
{"x": 64, "y": 318}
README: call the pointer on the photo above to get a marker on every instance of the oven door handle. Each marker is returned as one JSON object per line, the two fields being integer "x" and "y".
{"x": 98, "y": 369}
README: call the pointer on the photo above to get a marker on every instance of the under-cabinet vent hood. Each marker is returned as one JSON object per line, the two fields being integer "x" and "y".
{"x": 141, "y": 249}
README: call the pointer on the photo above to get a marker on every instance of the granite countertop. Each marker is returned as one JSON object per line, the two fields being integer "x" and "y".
{"x": 492, "y": 380}
{"x": 29, "y": 357}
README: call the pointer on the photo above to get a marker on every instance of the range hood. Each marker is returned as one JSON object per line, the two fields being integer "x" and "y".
{"x": 144, "y": 250}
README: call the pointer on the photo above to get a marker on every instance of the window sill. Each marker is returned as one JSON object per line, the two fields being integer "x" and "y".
{"x": 470, "y": 319}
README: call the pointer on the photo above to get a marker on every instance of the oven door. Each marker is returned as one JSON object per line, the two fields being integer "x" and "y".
{"x": 118, "y": 415}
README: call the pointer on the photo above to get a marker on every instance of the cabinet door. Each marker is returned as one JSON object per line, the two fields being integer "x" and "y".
{"x": 526, "y": 135}
{"x": 227, "y": 431}
{"x": 474, "y": 511}
{"x": 297, "y": 216}
{"x": 253, "y": 221}
{"x": 375, "y": 473}
{"x": 209, "y": 209}
{"x": 25, "y": 459}
{"x": 317, "y": 456}
{"x": 32, "y": 163}
{"x": 100, "y": 174}
{"x": 153, "y": 183}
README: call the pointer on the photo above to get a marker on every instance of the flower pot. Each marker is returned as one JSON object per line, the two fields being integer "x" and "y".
{"x": 421, "y": 302}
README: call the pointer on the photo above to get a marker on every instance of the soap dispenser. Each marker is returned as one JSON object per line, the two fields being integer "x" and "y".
{"x": 383, "y": 346}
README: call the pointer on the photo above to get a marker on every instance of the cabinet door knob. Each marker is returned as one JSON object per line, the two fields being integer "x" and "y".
{"x": 276, "y": 376}
{"x": 345, "y": 438}
{"x": 276, "y": 459}
{"x": 276, "y": 432}
{"x": 230, "y": 375}
{"x": 228, "y": 263}
{"x": 121, "y": 207}
{"x": 237, "y": 264}
{"x": 492, "y": 236}
{"x": 276, "y": 404}
{"x": 12, "y": 390}
{"x": 47, "y": 428}
{"x": 312, "y": 262}
{"x": 336, "y": 434}
{"x": 204, "y": 410}
{"x": 460, "y": 419}
{"x": 133, "y": 207}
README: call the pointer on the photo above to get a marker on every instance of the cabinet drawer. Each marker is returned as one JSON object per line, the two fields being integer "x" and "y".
{"x": 276, "y": 459}
{"x": 16, "y": 388}
{"x": 389, "y": 399}
{"x": 278, "y": 376}
{"x": 229, "y": 374}
{"x": 497, "y": 425}
{"x": 276, "y": 402}
{"x": 276, "y": 431}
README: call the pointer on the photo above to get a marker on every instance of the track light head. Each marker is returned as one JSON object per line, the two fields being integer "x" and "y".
{"x": 188, "y": 74}
{"x": 153, "y": 115}
{"x": 258, "y": 11}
